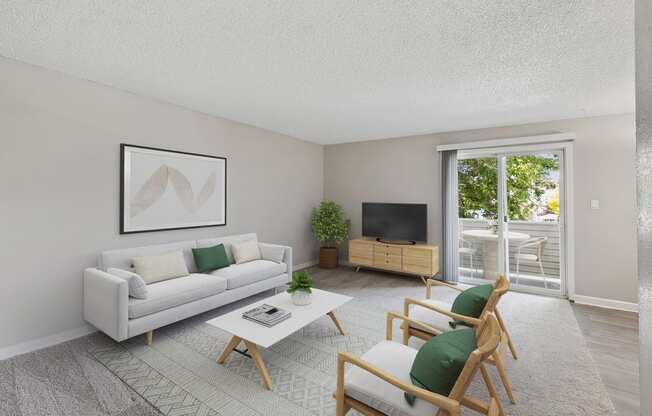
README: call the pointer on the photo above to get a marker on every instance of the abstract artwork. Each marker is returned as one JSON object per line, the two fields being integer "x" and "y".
{"x": 167, "y": 190}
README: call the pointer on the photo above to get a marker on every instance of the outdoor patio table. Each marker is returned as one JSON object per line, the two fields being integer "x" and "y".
{"x": 489, "y": 240}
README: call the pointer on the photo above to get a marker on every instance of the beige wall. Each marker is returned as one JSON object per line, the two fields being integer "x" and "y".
{"x": 407, "y": 170}
{"x": 59, "y": 167}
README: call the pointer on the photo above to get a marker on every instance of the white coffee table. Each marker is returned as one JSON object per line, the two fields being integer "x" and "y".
{"x": 254, "y": 335}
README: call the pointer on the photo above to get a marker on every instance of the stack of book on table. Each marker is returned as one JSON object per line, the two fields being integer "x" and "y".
{"x": 266, "y": 315}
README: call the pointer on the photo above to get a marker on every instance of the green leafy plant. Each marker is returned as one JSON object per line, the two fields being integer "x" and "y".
{"x": 301, "y": 281}
{"x": 329, "y": 225}
{"x": 528, "y": 179}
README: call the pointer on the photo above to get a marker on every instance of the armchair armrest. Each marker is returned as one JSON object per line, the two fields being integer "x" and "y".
{"x": 106, "y": 300}
{"x": 430, "y": 282}
{"x": 443, "y": 402}
{"x": 454, "y": 316}
{"x": 406, "y": 319}
{"x": 287, "y": 257}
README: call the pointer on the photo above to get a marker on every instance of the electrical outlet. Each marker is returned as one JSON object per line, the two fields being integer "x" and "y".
{"x": 595, "y": 204}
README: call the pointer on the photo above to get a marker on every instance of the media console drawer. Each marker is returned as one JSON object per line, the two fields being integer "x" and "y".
{"x": 420, "y": 259}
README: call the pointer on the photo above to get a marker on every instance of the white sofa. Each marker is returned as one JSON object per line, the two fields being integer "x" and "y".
{"x": 109, "y": 308}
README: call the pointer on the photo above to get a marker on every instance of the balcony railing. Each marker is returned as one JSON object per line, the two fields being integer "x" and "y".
{"x": 529, "y": 273}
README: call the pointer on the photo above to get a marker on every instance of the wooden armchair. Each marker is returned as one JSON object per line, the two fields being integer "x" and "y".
{"x": 377, "y": 381}
{"x": 438, "y": 315}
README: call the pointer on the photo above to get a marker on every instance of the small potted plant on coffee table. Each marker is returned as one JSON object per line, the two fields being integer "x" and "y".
{"x": 301, "y": 288}
{"x": 331, "y": 228}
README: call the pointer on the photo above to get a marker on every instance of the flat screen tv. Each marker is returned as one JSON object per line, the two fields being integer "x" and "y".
{"x": 395, "y": 222}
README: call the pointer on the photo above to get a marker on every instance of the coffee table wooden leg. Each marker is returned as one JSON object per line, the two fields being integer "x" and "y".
{"x": 258, "y": 360}
{"x": 229, "y": 348}
{"x": 336, "y": 322}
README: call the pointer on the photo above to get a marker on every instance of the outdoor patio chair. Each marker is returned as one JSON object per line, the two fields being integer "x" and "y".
{"x": 536, "y": 258}
{"x": 466, "y": 249}
{"x": 438, "y": 315}
{"x": 379, "y": 380}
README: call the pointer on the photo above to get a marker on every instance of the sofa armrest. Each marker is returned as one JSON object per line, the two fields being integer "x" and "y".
{"x": 106, "y": 302}
{"x": 287, "y": 257}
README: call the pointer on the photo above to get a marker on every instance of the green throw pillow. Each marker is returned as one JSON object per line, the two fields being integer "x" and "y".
{"x": 440, "y": 361}
{"x": 210, "y": 258}
{"x": 471, "y": 302}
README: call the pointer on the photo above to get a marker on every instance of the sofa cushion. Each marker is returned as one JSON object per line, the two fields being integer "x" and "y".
{"x": 137, "y": 286}
{"x": 237, "y": 275}
{"x": 122, "y": 258}
{"x": 395, "y": 359}
{"x": 210, "y": 258}
{"x": 246, "y": 251}
{"x": 228, "y": 242}
{"x": 161, "y": 267}
{"x": 272, "y": 252}
{"x": 174, "y": 292}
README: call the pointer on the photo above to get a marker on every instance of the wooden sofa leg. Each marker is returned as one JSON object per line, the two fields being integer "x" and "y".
{"x": 149, "y": 336}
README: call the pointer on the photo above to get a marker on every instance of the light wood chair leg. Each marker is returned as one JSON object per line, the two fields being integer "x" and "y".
{"x": 258, "y": 360}
{"x": 340, "y": 409}
{"x": 149, "y": 336}
{"x": 406, "y": 333}
{"x": 405, "y": 326}
{"x": 331, "y": 314}
{"x": 233, "y": 343}
{"x": 504, "y": 328}
{"x": 500, "y": 365}
{"x": 490, "y": 387}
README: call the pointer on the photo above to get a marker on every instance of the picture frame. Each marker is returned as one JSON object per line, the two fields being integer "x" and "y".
{"x": 163, "y": 189}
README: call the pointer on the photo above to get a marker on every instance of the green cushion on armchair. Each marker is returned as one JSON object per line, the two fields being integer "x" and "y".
{"x": 471, "y": 302}
{"x": 440, "y": 361}
{"x": 210, "y": 258}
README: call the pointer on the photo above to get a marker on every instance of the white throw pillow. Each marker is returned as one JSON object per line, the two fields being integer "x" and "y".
{"x": 245, "y": 251}
{"x": 137, "y": 286}
{"x": 271, "y": 252}
{"x": 162, "y": 267}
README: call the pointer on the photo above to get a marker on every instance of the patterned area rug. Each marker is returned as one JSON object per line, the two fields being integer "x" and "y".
{"x": 178, "y": 374}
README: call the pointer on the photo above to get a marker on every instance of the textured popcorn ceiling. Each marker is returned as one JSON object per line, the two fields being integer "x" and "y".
{"x": 336, "y": 70}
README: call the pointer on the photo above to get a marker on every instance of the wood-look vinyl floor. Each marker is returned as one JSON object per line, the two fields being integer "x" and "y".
{"x": 612, "y": 339}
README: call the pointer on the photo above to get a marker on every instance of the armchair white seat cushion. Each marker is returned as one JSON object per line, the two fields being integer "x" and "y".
{"x": 396, "y": 359}
{"x": 237, "y": 275}
{"x": 174, "y": 292}
{"x": 430, "y": 317}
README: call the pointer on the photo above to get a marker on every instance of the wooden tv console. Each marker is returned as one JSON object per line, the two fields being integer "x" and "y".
{"x": 418, "y": 259}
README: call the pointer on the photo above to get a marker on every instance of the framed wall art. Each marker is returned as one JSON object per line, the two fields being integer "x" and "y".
{"x": 169, "y": 190}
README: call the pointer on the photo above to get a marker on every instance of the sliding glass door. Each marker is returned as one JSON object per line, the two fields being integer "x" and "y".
{"x": 511, "y": 206}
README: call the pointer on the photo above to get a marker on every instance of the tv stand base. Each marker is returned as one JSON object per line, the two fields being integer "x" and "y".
{"x": 416, "y": 259}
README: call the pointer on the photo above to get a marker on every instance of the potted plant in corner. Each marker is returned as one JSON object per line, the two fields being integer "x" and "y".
{"x": 301, "y": 288}
{"x": 330, "y": 228}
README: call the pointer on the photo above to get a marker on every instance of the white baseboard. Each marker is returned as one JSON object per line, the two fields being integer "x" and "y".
{"x": 305, "y": 265}
{"x": 606, "y": 303}
{"x": 40, "y": 343}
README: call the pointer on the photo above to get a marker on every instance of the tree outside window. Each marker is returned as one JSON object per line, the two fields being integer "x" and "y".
{"x": 532, "y": 187}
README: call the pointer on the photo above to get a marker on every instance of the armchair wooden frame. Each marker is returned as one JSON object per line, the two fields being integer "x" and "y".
{"x": 488, "y": 339}
{"x": 501, "y": 286}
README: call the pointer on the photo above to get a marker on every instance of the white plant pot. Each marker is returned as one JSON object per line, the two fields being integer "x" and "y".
{"x": 301, "y": 298}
